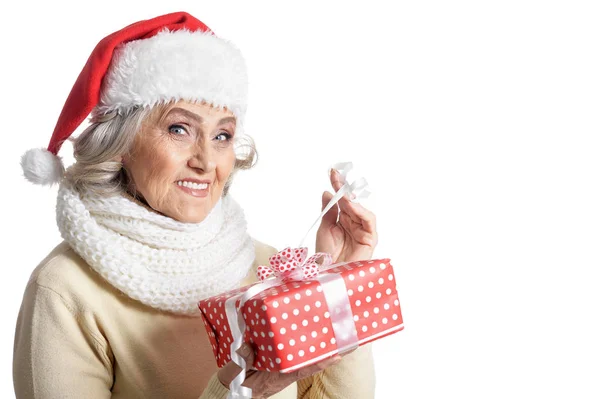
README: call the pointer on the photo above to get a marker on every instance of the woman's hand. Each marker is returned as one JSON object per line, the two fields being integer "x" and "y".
{"x": 267, "y": 383}
{"x": 354, "y": 236}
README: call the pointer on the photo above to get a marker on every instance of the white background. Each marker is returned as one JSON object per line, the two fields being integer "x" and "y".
{"x": 475, "y": 123}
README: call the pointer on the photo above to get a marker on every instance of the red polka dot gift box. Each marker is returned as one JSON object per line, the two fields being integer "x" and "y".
{"x": 299, "y": 315}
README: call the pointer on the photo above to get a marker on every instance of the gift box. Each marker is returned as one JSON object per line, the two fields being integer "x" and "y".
{"x": 290, "y": 324}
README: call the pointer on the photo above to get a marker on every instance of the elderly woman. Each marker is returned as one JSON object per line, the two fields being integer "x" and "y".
{"x": 149, "y": 229}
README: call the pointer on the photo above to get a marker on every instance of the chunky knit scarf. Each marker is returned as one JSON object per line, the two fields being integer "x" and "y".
{"x": 163, "y": 263}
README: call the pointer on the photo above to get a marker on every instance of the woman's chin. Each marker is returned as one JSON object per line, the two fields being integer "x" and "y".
{"x": 186, "y": 208}
{"x": 195, "y": 214}
{"x": 197, "y": 219}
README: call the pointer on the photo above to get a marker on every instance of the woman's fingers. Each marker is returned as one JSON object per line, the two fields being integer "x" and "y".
{"x": 348, "y": 223}
{"x": 267, "y": 383}
{"x": 362, "y": 215}
{"x": 331, "y": 216}
{"x": 231, "y": 369}
{"x": 358, "y": 232}
{"x": 356, "y": 214}
{"x": 337, "y": 181}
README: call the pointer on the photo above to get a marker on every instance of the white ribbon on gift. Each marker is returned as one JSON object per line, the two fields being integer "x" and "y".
{"x": 237, "y": 326}
{"x": 334, "y": 290}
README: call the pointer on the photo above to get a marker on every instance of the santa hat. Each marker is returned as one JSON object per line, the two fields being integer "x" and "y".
{"x": 170, "y": 57}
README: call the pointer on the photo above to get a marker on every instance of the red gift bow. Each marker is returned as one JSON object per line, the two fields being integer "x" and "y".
{"x": 290, "y": 264}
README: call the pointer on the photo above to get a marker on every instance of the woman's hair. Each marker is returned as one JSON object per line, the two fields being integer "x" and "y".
{"x": 98, "y": 149}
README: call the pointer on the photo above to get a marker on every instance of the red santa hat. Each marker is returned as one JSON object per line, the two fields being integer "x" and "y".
{"x": 170, "y": 57}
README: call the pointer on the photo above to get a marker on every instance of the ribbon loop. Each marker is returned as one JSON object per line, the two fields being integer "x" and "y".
{"x": 357, "y": 188}
{"x": 291, "y": 264}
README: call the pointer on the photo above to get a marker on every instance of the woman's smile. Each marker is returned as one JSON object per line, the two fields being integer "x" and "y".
{"x": 193, "y": 188}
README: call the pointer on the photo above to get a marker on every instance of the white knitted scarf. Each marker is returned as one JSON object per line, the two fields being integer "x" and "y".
{"x": 164, "y": 263}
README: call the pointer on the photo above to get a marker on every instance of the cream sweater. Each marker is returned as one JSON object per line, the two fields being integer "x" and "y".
{"x": 79, "y": 337}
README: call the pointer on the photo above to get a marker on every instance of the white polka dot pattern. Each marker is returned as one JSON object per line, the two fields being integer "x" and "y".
{"x": 289, "y": 325}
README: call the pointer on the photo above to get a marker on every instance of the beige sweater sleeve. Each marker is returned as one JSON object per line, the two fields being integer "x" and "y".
{"x": 353, "y": 377}
{"x": 214, "y": 390}
{"x": 55, "y": 354}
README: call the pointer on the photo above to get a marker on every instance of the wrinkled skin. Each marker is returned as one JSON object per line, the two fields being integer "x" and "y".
{"x": 188, "y": 141}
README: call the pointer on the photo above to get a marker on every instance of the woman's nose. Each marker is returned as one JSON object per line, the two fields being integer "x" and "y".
{"x": 202, "y": 158}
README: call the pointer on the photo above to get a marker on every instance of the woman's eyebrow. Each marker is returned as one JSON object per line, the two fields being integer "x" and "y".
{"x": 197, "y": 118}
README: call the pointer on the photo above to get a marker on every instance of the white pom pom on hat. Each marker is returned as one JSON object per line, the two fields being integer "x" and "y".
{"x": 170, "y": 57}
{"x": 40, "y": 166}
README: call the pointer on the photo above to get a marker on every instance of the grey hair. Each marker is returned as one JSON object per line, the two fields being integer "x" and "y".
{"x": 99, "y": 148}
{"x": 248, "y": 159}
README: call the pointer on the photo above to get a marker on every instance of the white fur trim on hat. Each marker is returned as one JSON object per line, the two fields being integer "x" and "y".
{"x": 174, "y": 65}
{"x": 40, "y": 166}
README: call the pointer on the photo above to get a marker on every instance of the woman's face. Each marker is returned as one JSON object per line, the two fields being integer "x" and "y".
{"x": 182, "y": 159}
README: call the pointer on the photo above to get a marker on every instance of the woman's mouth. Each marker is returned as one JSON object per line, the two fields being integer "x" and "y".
{"x": 192, "y": 188}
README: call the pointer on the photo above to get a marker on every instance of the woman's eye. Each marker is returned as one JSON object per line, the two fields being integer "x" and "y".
{"x": 226, "y": 135}
{"x": 177, "y": 129}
